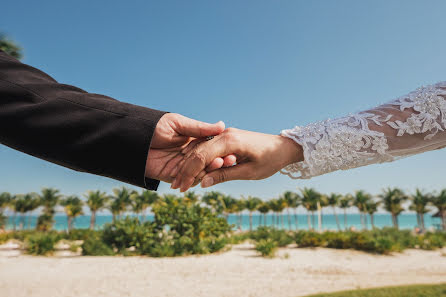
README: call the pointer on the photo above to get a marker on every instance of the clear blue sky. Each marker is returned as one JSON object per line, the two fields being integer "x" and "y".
{"x": 257, "y": 65}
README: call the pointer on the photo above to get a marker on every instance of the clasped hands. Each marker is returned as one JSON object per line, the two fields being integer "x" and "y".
{"x": 181, "y": 155}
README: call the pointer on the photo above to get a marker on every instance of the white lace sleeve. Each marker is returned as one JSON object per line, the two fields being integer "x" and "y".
{"x": 409, "y": 125}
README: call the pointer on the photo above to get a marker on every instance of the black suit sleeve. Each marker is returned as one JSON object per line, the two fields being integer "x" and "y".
{"x": 70, "y": 127}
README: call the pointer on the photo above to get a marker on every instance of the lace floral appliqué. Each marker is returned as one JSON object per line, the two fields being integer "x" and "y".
{"x": 348, "y": 142}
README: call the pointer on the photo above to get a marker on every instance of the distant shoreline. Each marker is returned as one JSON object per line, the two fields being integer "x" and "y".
{"x": 406, "y": 221}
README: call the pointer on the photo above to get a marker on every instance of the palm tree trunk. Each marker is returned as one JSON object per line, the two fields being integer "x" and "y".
{"x": 337, "y": 219}
{"x": 345, "y": 219}
{"x": 114, "y": 217}
{"x": 28, "y": 223}
{"x": 264, "y": 219}
{"x": 312, "y": 219}
{"x": 13, "y": 221}
{"x": 322, "y": 218}
{"x": 281, "y": 220}
{"x": 277, "y": 220}
{"x": 69, "y": 219}
{"x": 260, "y": 220}
{"x": 443, "y": 219}
{"x": 92, "y": 220}
{"x": 296, "y": 219}
{"x": 22, "y": 221}
{"x": 372, "y": 221}
{"x": 289, "y": 219}
{"x": 309, "y": 221}
{"x": 365, "y": 221}
{"x": 395, "y": 221}
{"x": 418, "y": 220}
{"x": 422, "y": 220}
{"x": 250, "y": 221}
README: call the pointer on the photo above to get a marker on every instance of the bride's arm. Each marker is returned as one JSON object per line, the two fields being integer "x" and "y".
{"x": 409, "y": 125}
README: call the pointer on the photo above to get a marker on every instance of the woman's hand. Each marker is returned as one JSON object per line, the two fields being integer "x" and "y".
{"x": 173, "y": 134}
{"x": 258, "y": 156}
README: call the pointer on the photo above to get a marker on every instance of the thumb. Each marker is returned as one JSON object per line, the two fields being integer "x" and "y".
{"x": 193, "y": 128}
{"x": 236, "y": 172}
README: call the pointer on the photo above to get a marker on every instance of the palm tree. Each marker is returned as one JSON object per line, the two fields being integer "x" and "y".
{"x": 13, "y": 206}
{"x": 48, "y": 199}
{"x": 263, "y": 209}
{"x": 228, "y": 204}
{"x": 73, "y": 208}
{"x": 323, "y": 202}
{"x": 215, "y": 200}
{"x": 149, "y": 198}
{"x": 10, "y": 47}
{"x": 361, "y": 198}
{"x": 281, "y": 205}
{"x": 344, "y": 203}
{"x": 310, "y": 199}
{"x": 273, "y": 206}
{"x": 393, "y": 200}
{"x": 439, "y": 201}
{"x": 241, "y": 206}
{"x": 292, "y": 202}
{"x": 142, "y": 201}
{"x": 96, "y": 200}
{"x": 120, "y": 201}
{"x": 23, "y": 204}
{"x": 4, "y": 201}
{"x": 333, "y": 201}
{"x": 190, "y": 197}
{"x": 251, "y": 204}
{"x": 115, "y": 208}
{"x": 33, "y": 203}
{"x": 372, "y": 207}
{"x": 419, "y": 203}
{"x": 231, "y": 205}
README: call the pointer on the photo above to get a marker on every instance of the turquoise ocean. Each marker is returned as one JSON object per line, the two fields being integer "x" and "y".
{"x": 406, "y": 221}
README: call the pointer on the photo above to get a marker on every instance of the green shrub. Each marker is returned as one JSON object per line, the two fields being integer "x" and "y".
{"x": 214, "y": 244}
{"x": 237, "y": 238}
{"x": 164, "y": 247}
{"x": 81, "y": 234}
{"x": 193, "y": 228}
{"x": 4, "y": 237}
{"x": 339, "y": 240}
{"x": 266, "y": 247}
{"x": 41, "y": 243}
{"x": 309, "y": 239}
{"x": 431, "y": 241}
{"x": 94, "y": 246}
{"x": 129, "y": 232}
{"x": 3, "y": 219}
{"x": 281, "y": 237}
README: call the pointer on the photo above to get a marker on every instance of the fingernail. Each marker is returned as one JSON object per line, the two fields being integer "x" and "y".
{"x": 207, "y": 182}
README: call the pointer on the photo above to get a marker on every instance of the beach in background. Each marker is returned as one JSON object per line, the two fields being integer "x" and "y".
{"x": 238, "y": 272}
{"x": 406, "y": 221}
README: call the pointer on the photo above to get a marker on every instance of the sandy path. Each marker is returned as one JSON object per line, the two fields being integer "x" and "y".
{"x": 238, "y": 272}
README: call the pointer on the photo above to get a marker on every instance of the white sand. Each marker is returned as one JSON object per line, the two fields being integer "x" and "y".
{"x": 238, "y": 272}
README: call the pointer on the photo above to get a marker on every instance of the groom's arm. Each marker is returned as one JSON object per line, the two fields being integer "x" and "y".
{"x": 70, "y": 127}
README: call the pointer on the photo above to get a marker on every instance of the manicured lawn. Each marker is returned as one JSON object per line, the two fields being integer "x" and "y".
{"x": 404, "y": 291}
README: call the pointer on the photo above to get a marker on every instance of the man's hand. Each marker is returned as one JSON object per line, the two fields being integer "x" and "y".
{"x": 258, "y": 156}
{"x": 173, "y": 134}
